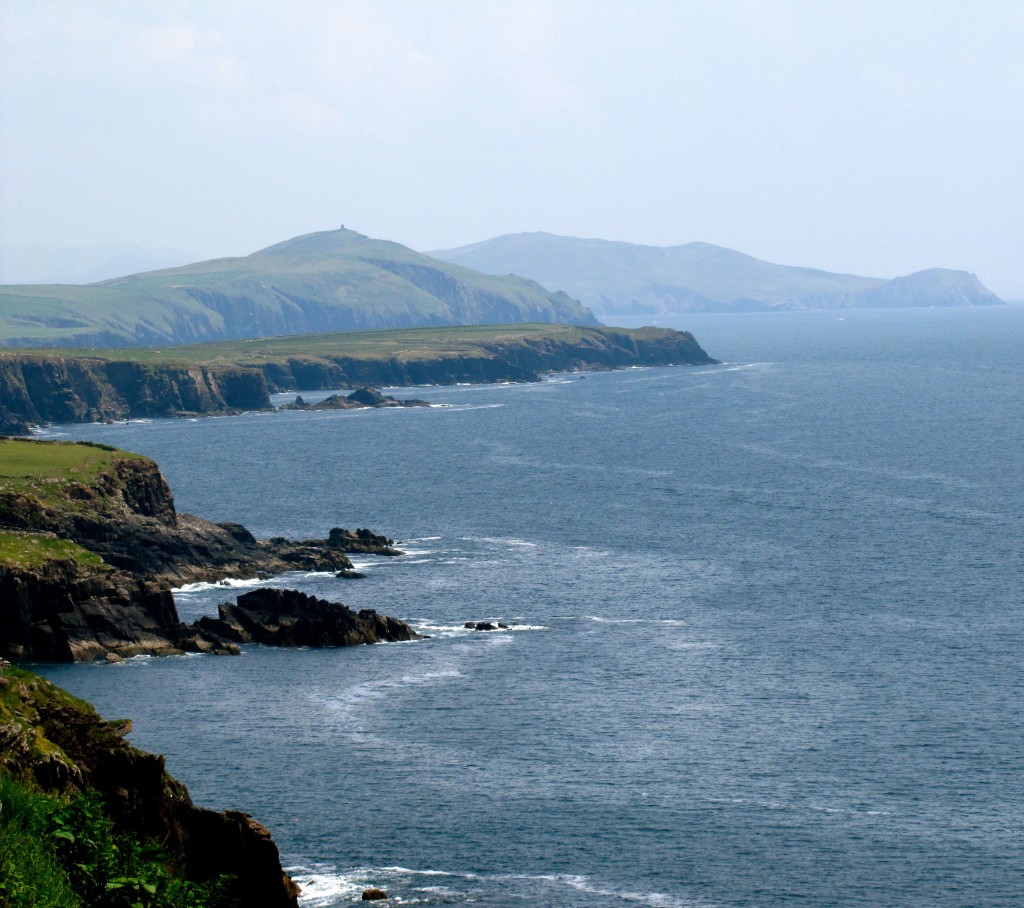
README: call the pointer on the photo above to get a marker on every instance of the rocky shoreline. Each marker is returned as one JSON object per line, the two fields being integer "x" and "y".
{"x": 46, "y": 387}
{"x": 106, "y": 591}
{"x": 90, "y": 543}
{"x": 61, "y": 746}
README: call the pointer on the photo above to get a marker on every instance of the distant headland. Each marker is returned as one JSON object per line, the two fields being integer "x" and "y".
{"x": 41, "y": 386}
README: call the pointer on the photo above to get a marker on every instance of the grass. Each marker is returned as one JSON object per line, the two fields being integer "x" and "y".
{"x": 402, "y": 344}
{"x": 32, "y": 550}
{"x": 46, "y": 469}
{"x": 30, "y": 873}
{"x": 336, "y": 278}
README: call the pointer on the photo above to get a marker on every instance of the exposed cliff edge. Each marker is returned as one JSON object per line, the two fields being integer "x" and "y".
{"x": 43, "y": 387}
{"x": 90, "y": 543}
{"x": 60, "y": 745}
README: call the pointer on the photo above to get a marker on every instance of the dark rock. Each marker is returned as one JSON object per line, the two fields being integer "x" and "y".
{"x": 83, "y": 750}
{"x": 350, "y": 575}
{"x": 370, "y": 895}
{"x": 361, "y": 398}
{"x": 485, "y": 626}
{"x": 361, "y": 541}
{"x": 277, "y": 617}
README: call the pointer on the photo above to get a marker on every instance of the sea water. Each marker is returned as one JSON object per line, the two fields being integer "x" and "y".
{"x": 767, "y": 643}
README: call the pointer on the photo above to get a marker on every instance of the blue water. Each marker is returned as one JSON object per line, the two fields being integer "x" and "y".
{"x": 771, "y": 629}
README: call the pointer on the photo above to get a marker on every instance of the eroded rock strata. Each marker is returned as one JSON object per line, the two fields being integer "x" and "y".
{"x": 61, "y": 745}
{"x": 95, "y": 554}
{"x": 37, "y": 388}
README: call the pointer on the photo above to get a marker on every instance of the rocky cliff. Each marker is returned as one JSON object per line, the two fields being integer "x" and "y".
{"x": 90, "y": 543}
{"x": 39, "y": 388}
{"x": 61, "y": 745}
{"x": 52, "y": 388}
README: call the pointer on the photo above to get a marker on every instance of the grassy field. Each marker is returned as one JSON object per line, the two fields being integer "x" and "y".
{"x": 44, "y": 469}
{"x": 407, "y": 344}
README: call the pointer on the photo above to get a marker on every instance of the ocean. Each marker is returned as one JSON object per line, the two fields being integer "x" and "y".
{"x": 767, "y": 643}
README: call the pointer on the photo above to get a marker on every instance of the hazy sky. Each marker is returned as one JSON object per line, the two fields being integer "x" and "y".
{"x": 871, "y": 137}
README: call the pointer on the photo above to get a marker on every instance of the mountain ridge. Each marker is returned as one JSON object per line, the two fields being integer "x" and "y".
{"x": 327, "y": 281}
{"x": 613, "y": 277}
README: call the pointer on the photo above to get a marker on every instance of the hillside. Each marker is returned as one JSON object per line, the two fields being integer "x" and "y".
{"x": 336, "y": 280}
{"x": 615, "y": 278}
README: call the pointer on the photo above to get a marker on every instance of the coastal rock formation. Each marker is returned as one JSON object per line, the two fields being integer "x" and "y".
{"x": 39, "y": 388}
{"x": 276, "y": 617}
{"x": 62, "y": 745}
{"x": 90, "y": 542}
{"x": 66, "y": 610}
{"x": 359, "y": 399}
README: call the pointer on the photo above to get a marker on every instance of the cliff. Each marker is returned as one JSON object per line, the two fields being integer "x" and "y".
{"x": 90, "y": 543}
{"x": 224, "y": 378}
{"x": 59, "y": 745}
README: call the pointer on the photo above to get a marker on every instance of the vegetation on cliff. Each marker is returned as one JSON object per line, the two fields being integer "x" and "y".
{"x": 226, "y": 377}
{"x": 88, "y": 821}
{"x": 90, "y": 543}
{"x": 336, "y": 280}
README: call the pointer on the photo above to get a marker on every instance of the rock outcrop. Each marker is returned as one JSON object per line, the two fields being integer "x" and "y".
{"x": 360, "y": 399}
{"x": 277, "y": 617}
{"x": 62, "y": 745}
{"x": 93, "y": 549}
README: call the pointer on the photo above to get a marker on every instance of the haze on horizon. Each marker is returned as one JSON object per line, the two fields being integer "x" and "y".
{"x": 860, "y": 137}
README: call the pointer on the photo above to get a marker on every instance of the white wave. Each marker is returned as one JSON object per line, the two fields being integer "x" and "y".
{"x": 324, "y": 886}
{"x": 600, "y": 619}
{"x": 228, "y": 583}
{"x": 652, "y": 899}
{"x": 412, "y": 551}
{"x": 500, "y": 540}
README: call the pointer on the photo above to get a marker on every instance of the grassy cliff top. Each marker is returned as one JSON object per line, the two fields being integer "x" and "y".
{"x": 401, "y": 344}
{"x": 45, "y": 469}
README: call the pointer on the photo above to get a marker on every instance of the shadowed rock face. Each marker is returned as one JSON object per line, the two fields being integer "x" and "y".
{"x": 276, "y": 617}
{"x": 38, "y": 388}
{"x": 137, "y": 792}
{"x": 65, "y": 610}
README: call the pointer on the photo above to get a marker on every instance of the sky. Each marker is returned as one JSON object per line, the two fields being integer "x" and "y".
{"x": 875, "y": 138}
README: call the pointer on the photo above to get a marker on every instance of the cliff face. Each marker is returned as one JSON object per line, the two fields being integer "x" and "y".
{"x": 91, "y": 544}
{"x": 62, "y": 745}
{"x": 42, "y": 388}
{"x": 62, "y": 611}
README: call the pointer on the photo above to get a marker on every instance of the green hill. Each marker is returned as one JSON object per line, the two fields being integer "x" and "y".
{"x": 615, "y": 278}
{"x": 336, "y": 280}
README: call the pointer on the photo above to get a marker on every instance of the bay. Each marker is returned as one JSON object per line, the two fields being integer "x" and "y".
{"x": 769, "y": 628}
